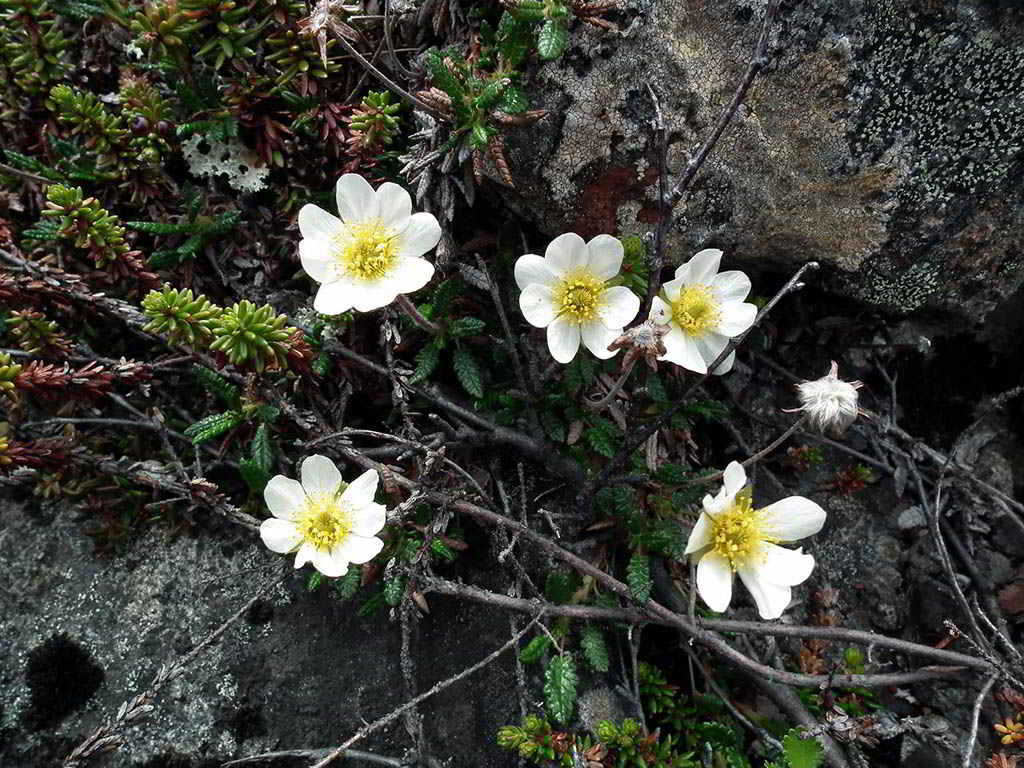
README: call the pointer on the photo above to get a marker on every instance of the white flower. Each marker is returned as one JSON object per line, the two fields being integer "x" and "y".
{"x": 566, "y": 291}
{"x": 704, "y": 309}
{"x": 372, "y": 253}
{"x": 328, "y": 522}
{"x": 733, "y": 537}
{"x": 829, "y": 403}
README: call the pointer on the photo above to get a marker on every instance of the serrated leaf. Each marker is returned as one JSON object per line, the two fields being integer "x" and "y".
{"x": 260, "y": 450}
{"x": 552, "y": 39}
{"x": 560, "y": 688}
{"x": 467, "y": 371}
{"x": 553, "y": 424}
{"x": 535, "y": 649}
{"x": 217, "y": 385}
{"x": 466, "y": 326}
{"x": 595, "y": 651}
{"x": 673, "y": 474}
{"x": 638, "y": 576}
{"x": 491, "y": 94}
{"x": 212, "y": 426}
{"x": 442, "y": 550}
{"x": 255, "y": 476}
{"x": 600, "y": 442}
{"x": 560, "y": 586}
{"x": 315, "y": 580}
{"x": 393, "y": 590}
{"x": 479, "y": 136}
{"x": 514, "y": 100}
{"x": 802, "y": 753}
{"x": 347, "y": 585}
{"x": 426, "y": 362}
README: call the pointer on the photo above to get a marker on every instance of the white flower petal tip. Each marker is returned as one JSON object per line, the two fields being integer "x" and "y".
{"x": 324, "y": 520}
{"x": 732, "y": 537}
{"x": 704, "y": 309}
{"x": 829, "y": 403}
{"x": 372, "y": 253}
{"x": 566, "y": 291}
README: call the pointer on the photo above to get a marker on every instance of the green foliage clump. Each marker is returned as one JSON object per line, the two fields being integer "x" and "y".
{"x": 32, "y": 47}
{"x": 374, "y": 124}
{"x": 36, "y": 334}
{"x": 180, "y": 316}
{"x": 85, "y": 223}
{"x": 9, "y": 371}
{"x": 250, "y": 335}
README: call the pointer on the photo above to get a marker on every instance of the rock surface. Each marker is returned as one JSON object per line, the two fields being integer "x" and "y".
{"x": 884, "y": 140}
{"x": 302, "y": 670}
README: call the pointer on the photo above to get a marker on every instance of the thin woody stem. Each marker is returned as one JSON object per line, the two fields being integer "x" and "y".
{"x": 416, "y": 316}
{"x": 716, "y": 476}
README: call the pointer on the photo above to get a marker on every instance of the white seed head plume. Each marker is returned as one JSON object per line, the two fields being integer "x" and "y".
{"x": 829, "y": 403}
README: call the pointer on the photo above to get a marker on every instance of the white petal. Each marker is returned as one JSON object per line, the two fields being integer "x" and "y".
{"x": 369, "y": 520}
{"x": 704, "y": 266}
{"x": 731, "y": 285}
{"x": 566, "y": 252}
{"x": 280, "y": 535}
{"x": 369, "y": 295}
{"x": 320, "y": 476}
{"x": 318, "y": 259}
{"x": 714, "y": 581}
{"x": 531, "y": 268}
{"x": 285, "y": 497}
{"x": 700, "y": 536}
{"x": 420, "y": 235}
{"x": 726, "y": 365}
{"x": 395, "y": 206}
{"x": 661, "y": 312}
{"x": 360, "y": 549}
{"x": 793, "y": 518}
{"x": 356, "y": 200}
{"x": 563, "y": 339}
{"x": 314, "y": 221}
{"x": 335, "y": 298}
{"x": 771, "y": 599}
{"x": 710, "y": 346}
{"x": 736, "y": 318}
{"x": 361, "y": 491}
{"x": 734, "y": 478}
{"x": 618, "y": 306}
{"x": 331, "y": 562}
{"x": 778, "y": 565}
{"x": 305, "y": 554}
{"x": 606, "y": 254}
{"x": 411, "y": 273}
{"x": 682, "y": 350}
{"x": 596, "y": 337}
{"x": 672, "y": 289}
{"x": 537, "y": 303}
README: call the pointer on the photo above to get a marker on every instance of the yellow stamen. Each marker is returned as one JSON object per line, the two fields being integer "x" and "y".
{"x": 367, "y": 251}
{"x": 695, "y": 311}
{"x": 578, "y": 296}
{"x": 737, "y": 533}
{"x": 325, "y": 522}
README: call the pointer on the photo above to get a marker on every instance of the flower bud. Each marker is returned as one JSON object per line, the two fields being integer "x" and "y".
{"x": 829, "y": 403}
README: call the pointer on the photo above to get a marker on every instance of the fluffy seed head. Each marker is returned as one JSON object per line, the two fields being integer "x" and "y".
{"x": 829, "y": 403}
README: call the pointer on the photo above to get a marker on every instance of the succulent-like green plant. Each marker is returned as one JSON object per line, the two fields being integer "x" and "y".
{"x": 83, "y": 221}
{"x": 9, "y": 371}
{"x": 251, "y": 335}
{"x": 104, "y": 132}
{"x": 162, "y": 28}
{"x": 31, "y": 45}
{"x": 37, "y": 335}
{"x": 180, "y": 316}
{"x": 231, "y": 28}
{"x": 295, "y": 54}
{"x": 374, "y": 124}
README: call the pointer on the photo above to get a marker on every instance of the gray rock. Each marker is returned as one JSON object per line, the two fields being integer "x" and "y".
{"x": 883, "y": 140}
{"x": 911, "y": 519}
{"x": 301, "y": 670}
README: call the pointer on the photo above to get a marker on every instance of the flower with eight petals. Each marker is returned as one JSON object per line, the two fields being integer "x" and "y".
{"x": 324, "y": 520}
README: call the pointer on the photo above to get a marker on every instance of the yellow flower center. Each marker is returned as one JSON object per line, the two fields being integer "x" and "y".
{"x": 367, "y": 250}
{"x": 579, "y": 296}
{"x": 695, "y": 311}
{"x": 737, "y": 533}
{"x": 325, "y": 522}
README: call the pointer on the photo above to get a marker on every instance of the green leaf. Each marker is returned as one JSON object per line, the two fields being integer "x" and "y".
{"x": 261, "y": 451}
{"x": 560, "y": 688}
{"x": 513, "y": 39}
{"x": 467, "y": 370}
{"x": 426, "y": 362}
{"x": 514, "y": 100}
{"x": 216, "y": 385}
{"x": 393, "y": 590}
{"x": 212, "y": 426}
{"x": 594, "y": 649}
{"x": 315, "y": 580}
{"x": 638, "y": 576}
{"x": 552, "y": 39}
{"x": 347, "y": 585}
{"x": 480, "y": 136}
{"x": 255, "y": 476}
{"x": 553, "y": 424}
{"x": 802, "y": 753}
{"x": 560, "y": 586}
{"x": 442, "y": 550}
{"x": 535, "y": 649}
{"x": 491, "y": 94}
{"x": 466, "y": 326}
{"x": 673, "y": 474}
